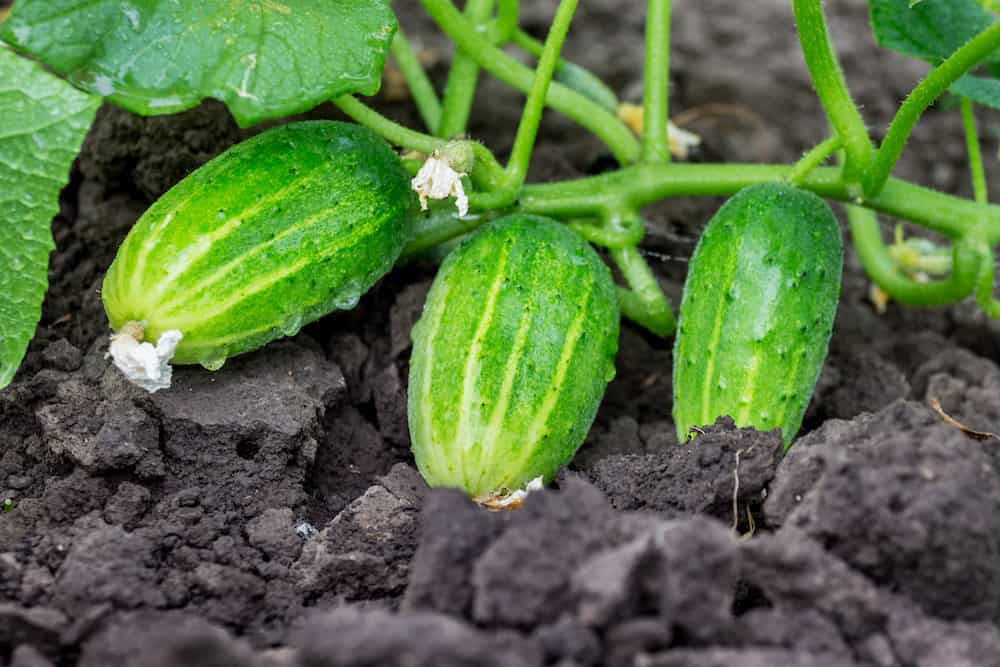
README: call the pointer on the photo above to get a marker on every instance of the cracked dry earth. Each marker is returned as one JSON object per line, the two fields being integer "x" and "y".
{"x": 269, "y": 515}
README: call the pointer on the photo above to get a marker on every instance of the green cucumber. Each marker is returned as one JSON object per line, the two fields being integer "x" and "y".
{"x": 758, "y": 310}
{"x": 511, "y": 356}
{"x": 272, "y": 234}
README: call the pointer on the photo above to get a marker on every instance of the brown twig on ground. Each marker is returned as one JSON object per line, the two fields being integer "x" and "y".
{"x": 951, "y": 421}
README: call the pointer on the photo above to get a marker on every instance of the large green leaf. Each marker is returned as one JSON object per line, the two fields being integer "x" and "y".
{"x": 930, "y": 29}
{"x": 978, "y": 89}
{"x": 933, "y": 30}
{"x": 42, "y": 123}
{"x": 263, "y": 58}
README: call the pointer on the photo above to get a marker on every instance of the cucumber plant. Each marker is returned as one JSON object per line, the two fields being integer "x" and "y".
{"x": 302, "y": 219}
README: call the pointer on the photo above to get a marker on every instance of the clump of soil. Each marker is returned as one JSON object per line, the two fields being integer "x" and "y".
{"x": 269, "y": 514}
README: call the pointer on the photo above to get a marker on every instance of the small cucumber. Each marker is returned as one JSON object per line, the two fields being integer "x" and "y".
{"x": 758, "y": 310}
{"x": 511, "y": 356}
{"x": 272, "y": 234}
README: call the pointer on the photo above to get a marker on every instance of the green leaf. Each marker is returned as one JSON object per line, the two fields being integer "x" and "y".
{"x": 263, "y": 58}
{"x": 42, "y": 123}
{"x": 930, "y": 29}
{"x": 978, "y": 89}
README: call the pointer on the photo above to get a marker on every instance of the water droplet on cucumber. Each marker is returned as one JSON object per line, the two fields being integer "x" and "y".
{"x": 292, "y": 326}
{"x": 213, "y": 364}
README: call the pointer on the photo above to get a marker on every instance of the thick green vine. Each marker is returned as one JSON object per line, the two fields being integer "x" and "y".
{"x": 604, "y": 208}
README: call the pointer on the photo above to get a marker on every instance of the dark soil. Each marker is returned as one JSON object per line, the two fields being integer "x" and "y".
{"x": 269, "y": 514}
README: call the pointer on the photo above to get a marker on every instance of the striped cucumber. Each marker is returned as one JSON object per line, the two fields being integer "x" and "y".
{"x": 511, "y": 356}
{"x": 272, "y": 234}
{"x": 758, "y": 310}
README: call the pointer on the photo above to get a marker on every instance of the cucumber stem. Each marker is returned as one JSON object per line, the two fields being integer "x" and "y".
{"x": 421, "y": 88}
{"x": 812, "y": 159}
{"x": 656, "y": 83}
{"x": 882, "y": 270}
{"x": 507, "y": 19}
{"x": 925, "y": 94}
{"x": 976, "y": 167}
{"x": 641, "y": 185}
{"x": 527, "y": 129}
{"x": 571, "y": 104}
{"x": 464, "y": 77}
{"x": 831, "y": 86}
{"x": 984, "y": 288}
{"x": 616, "y": 233}
{"x": 650, "y": 306}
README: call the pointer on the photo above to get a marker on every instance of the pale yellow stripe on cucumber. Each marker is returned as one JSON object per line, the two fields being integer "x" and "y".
{"x": 426, "y": 412}
{"x": 747, "y": 395}
{"x": 233, "y": 221}
{"x": 182, "y": 323}
{"x": 789, "y": 380}
{"x": 112, "y": 288}
{"x": 219, "y": 341}
{"x": 541, "y": 420}
{"x": 503, "y": 401}
{"x": 152, "y": 238}
{"x": 131, "y": 278}
{"x": 221, "y": 273}
{"x": 122, "y": 265}
{"x": 465, "y": 432}
{"x": 708, "y": 385}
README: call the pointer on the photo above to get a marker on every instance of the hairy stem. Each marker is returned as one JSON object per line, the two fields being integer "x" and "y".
{"x": 573, "y": 105}
{"x": 656, "y": 83}
{"x": 984, "y": 288}
{"x": 531, "y": 117}
{"x": 617, "y": 231}
{"x": 828, "y": 79}
{"x": 389, "y": 130}
{"x": 976, "y": 167}
{"x": 487, "y": 173}
{"x": 597, "y": 90}
{"x": 931, "y": 88}
{"x": 882, "y": 270}
{"x": 507, "y": 19}
{"x": 641, "y": 185}
{"x": 421, "y": 88}
{"x": 814, "y": 158}
{"x": 464, "y": 76}
{"x": 650, "y": 307}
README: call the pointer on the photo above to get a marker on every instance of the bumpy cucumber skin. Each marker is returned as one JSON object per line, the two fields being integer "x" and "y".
{"x": 511, "y": 356}
{"x": 758, "y": 309}
{"x": 272, "y": 234}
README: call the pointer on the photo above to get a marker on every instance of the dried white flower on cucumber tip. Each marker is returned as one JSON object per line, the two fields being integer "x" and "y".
{"x": 512, "y": 500}
{"x": 143, "y": 364}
